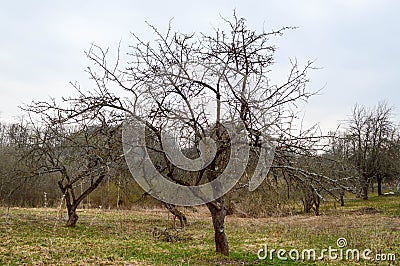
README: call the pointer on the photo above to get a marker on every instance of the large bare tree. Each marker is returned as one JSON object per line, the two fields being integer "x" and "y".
{"x": 188, "y": 84}
{"x": 191, "y": 84}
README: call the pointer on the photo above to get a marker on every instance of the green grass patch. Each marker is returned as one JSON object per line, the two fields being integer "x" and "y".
{"x": 39, "y": 237}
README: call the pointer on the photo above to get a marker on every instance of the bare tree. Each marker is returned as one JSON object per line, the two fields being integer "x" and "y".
{"x": 78, "y": 148}
{"x": 189, "y": 85}
{"x": 15, "y": 188}
{"x": 371, "y": 141}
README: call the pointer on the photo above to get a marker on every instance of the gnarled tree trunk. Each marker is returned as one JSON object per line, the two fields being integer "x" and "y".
{"x": 71, "y": 208}
{"x": 218, "y": 213}
{"x": 72, "y": 217}
{"x": 73, "y": 202}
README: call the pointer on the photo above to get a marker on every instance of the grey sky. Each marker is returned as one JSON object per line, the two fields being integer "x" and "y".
{"x": 355, "y": 42}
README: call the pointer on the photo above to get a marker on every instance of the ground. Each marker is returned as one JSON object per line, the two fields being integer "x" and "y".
{"x": 138, "y": 237}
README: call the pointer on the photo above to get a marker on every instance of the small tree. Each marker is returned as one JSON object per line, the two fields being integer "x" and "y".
{"x": 79, "y": 150}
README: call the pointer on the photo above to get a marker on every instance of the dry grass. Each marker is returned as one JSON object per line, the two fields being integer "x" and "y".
{"x": 38, "y": 237}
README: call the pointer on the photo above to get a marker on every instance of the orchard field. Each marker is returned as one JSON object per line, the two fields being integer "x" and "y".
{"x": 38, "y": 236}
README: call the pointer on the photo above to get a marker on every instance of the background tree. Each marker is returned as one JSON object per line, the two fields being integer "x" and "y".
{"x": 388, "y": 158}
{"x": 371, "y": 145}
{"x": 15, "y": 186}
{"x": 78, "y": 148}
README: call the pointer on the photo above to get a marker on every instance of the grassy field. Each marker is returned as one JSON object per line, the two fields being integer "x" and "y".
{"x": 138, "y": 237}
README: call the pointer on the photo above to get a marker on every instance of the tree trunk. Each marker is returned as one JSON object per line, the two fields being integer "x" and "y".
{"x": 72, "y": 217}
{"x": 71, "y": 202}
{"x": 218, "y": 214}
{"x": 379, "y": 179}
{"x": 177, "y": 214}
{"x": 364, "y": 192}
{"x": 365, "y": 187}
{"x": 342, "y": 198}
{"x": 71, "y": 207}
{"x": 317, "y": 202}
{"x": 217, "y": 207}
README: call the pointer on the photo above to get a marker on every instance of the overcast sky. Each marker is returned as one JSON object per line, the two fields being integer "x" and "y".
{"x": 355, "y": 42}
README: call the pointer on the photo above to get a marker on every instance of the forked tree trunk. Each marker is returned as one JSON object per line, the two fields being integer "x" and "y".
{"x": 72, "y": 203}
{"x": 218, "y": 214}
{"x": 177, "y": 214}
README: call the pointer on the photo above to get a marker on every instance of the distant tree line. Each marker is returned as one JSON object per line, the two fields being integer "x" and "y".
{"x": 363, "y": 154}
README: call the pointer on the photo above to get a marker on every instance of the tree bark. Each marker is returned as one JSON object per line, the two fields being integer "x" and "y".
{"x": 72, "y": 203}
{"x": 364, "y": 192}
{"x": 72, "y": 217}
{"x": 71, "y": 209}
{"x": 342, "y": 198}
{"x": 218, "y": 214}
{"x": 379, "y": 179}
{"x": 365, "y": 187}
